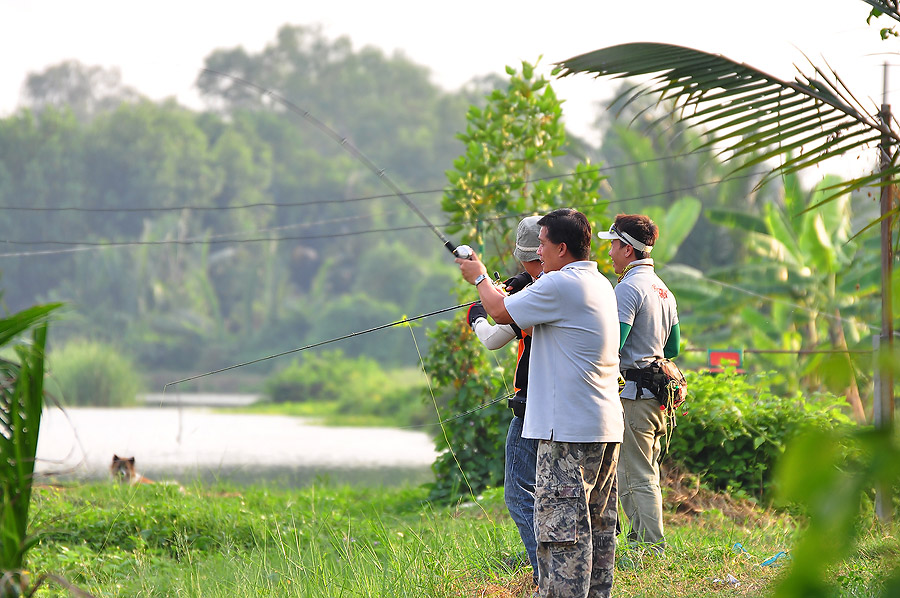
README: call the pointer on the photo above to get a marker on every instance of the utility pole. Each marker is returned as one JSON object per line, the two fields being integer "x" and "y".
{"x": 883, "y": 412}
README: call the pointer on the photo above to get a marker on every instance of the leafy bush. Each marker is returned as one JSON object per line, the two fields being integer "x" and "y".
{"x": 91, "y": 373}
{"x": 356, "y": 389}
{"x": 735, "y": 429}
{"x": 326, "y": 376}
{"x": 397, "y": 402}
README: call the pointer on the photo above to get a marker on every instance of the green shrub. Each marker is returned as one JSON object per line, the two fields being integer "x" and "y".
{"x": 465, "y": 377}
{"x": 397, "y": 400}
{"x": 346, "y": 314}
{"x": 356, "y": 389}
{"x": 326, "y": 376}
{"x": 91, "y": 373}
{"x": 735, "y": 429}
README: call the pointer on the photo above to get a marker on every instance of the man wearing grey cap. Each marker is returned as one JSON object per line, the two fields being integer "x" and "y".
{"x": 521, "y": 453}
{"x": 648, "y": 330}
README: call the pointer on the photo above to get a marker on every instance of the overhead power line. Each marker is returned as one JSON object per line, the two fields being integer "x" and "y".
{"x": 223, "y": 239}
{"x": 298, "y": 204}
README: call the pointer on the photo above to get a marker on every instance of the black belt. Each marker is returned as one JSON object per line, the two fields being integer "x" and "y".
{"x": 633, "y": 375}
{"x": 638, "y": 376}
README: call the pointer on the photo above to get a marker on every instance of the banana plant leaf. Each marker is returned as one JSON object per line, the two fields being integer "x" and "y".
{"x": 678, "y": 221}
{"x": 21, "y": 402}
{"x": 747, "y": 113}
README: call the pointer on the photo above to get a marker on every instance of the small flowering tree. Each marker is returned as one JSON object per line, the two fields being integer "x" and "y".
{"x": 514, "y": 165}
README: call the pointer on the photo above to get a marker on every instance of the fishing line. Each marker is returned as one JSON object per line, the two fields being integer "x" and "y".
{"x": 319, "y": 344}
{"x": 444, "y": 429}
{"x": 462, "y": 251}
{"x": 463, "y": 414}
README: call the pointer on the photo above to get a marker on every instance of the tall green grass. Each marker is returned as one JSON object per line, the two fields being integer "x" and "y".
{"x": 325, "y": 541}
{"x": 154, "y": 541}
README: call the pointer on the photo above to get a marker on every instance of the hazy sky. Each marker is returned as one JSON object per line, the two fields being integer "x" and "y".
{"x": 159, "y": 46}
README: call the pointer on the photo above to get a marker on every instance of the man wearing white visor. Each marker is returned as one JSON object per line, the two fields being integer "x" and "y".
{"x": 649, "y": 330}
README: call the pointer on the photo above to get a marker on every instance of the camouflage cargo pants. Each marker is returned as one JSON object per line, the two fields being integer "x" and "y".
{"x": 575, "y": 518}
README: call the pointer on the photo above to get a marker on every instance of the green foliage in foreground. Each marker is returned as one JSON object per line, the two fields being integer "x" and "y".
{"x": 94, "y": 374}
{"x": 735, "y": 428}
{"x": 832, "y": 491}
{"x": 21, "y": 405}
{"x": 323, "y": 541}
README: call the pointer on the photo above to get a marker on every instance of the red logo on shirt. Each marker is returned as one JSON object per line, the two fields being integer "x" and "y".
{"x": 663, "y": 293}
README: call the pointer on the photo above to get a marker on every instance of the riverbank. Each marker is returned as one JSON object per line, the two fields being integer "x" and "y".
{"x": 197, "y": 399}
{"x": 199, "y": 443}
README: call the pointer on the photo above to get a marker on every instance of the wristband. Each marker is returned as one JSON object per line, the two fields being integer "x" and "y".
{"x": 481, "y": 278}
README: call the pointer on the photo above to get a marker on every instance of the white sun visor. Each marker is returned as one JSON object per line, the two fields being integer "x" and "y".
{"x": 615, "y": 233}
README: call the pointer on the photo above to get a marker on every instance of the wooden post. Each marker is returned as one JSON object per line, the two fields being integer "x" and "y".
{"x": 883, "y": 408}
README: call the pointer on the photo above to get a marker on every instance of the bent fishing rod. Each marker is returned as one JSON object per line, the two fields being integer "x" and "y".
{"x": 460, "y": 251}
{"x": 314, "y": 345}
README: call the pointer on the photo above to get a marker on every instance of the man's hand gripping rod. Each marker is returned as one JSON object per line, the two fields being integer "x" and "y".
{"x": 462, "y": 251}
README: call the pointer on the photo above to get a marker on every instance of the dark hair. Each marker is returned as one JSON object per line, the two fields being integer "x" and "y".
{"x": 571, "y": 227}
{"x": 640, "y": 227}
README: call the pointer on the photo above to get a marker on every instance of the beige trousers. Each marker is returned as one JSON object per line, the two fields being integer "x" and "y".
{"x": 638, "y": 471}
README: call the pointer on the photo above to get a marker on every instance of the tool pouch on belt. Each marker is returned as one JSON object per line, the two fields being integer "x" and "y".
{"x": 663, "y": 379}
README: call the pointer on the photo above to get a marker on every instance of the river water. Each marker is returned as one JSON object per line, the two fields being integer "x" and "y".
{"x": 190, "y": 442}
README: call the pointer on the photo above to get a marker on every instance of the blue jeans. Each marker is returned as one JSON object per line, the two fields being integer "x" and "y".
{"x": 518, "y": 485}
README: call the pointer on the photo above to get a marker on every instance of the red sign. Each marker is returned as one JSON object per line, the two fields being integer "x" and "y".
{"x": 719, "y": 359}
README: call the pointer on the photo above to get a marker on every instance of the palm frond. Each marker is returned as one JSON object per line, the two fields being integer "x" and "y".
{"x": 890, "y": 8}
{"x": 748, "y": 113}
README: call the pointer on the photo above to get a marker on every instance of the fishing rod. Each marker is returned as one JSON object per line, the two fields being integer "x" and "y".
{"x": 319, "y": 344}
{"x": 460, "y": 251}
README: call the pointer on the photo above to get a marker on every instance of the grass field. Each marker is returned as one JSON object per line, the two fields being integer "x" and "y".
{"x": 328, "y": 541}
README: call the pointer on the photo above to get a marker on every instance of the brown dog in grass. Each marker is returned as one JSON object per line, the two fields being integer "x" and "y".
{"x": 123, "y": 470}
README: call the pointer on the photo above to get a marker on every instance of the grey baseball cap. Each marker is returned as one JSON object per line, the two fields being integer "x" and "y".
{"x": 527, "y": 239}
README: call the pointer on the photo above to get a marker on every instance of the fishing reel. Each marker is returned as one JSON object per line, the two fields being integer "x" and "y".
{"x": 464, "y": 252}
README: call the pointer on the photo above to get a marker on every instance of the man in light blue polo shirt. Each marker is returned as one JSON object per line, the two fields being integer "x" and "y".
{"x": 573, "y": 404}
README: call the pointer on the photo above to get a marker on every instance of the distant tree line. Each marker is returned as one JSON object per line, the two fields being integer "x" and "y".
{"x": 237, "y": 230}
